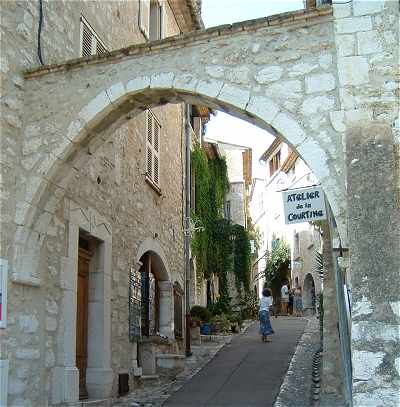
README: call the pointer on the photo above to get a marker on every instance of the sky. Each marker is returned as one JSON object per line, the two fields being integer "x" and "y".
{"x": 223, "y": 126}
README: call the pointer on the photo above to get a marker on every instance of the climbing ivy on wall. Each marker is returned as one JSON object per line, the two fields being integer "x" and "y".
{"x": 242, "y": 258}
{"x": 277, "y": 269}
{"x": 219, "y": 246}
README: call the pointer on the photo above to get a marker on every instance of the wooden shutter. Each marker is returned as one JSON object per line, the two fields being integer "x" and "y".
{"x": 156, "y": 157}
{"x": 149, "y": 145}
{"x": 153, "y": 148}
{"x": 86, "y": 41}
{"x": 197, "y": 126}
{"x": 90, "y": 42}
{"x": 144, "y": 17}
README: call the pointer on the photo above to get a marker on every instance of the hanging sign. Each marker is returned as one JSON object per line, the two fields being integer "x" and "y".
{"x": 304, "y": 205}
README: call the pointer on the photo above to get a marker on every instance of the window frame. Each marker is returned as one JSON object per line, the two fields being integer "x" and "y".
{"x": 275, "y": 163}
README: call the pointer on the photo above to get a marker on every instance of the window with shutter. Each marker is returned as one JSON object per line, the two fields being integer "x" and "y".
{"x": 144, "y": 17}
{"x": 90, "y": 42}
{"x": 153, "y": 149}
{"x": 157, "y": 22}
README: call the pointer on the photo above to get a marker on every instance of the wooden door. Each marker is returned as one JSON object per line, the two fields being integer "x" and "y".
{"x": 82, "y": 319}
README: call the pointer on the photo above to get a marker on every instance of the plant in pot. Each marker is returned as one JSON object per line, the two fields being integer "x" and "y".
{"x": 235, "y": 322}
{"x": 221, "y": 323}
{"x": 203, "y": 315}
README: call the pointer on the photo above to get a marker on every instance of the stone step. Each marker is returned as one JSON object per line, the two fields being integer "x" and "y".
{"x": 149, "y": 379}
{"x": 95, "y": 403}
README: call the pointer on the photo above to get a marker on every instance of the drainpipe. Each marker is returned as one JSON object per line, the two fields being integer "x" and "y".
{"x": 187, "y": 231}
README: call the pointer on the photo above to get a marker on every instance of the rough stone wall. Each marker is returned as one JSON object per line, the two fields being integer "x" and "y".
{"x": 367, "y": 38}
{"x": 374, "y": 273}
{"x": 332, "y": 377}
{"x": 34, "y": 317}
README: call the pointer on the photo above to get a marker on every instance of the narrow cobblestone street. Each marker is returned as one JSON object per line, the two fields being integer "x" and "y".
{"x": 245, "y": 372}
{"x": 242, "y": 371}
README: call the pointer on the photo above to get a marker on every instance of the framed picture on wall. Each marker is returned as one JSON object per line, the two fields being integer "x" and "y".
{"x": 3, "y": 292}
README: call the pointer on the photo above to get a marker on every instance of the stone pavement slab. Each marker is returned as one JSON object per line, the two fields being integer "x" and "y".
{"x": 296, "y": 388}
{"x": 246, "y": 372}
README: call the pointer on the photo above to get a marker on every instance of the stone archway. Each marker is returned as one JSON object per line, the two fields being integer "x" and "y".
{"x": 151, "y": 250}
{"x": 308, "y": 94}
{"x": 237, "y": 74}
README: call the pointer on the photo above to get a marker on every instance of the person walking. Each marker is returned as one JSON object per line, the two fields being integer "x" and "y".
{"x": 285, "y": 298}
{"x": 265, "y": 324}
{"x": 290, "y": 304}
{"x": 298, "y": 303}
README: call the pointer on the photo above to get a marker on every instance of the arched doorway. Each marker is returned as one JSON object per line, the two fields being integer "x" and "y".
{"x": 309, "y": 295}
{"x": 156, "y": 291}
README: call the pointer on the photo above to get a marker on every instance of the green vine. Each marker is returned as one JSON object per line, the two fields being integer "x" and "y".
{"x": 277, "y": 269}
{"x": 242, "y": 258}
{"x": 219, "y": 247}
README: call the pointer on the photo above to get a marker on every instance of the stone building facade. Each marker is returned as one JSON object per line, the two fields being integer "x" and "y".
{"x": 323, "y": 79}
{"x": 115, "y": 207}
{"x": 285, "y": 170}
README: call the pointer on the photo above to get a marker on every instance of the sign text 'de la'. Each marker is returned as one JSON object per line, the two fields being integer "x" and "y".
{"x": 304, "y": 205}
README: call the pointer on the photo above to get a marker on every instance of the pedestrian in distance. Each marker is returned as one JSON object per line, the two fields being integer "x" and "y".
{"x": 298, "y": 302}
{"x": 290, "y": 304}
{"x": 265, "y": 323}
{"x": 285, "y": 298}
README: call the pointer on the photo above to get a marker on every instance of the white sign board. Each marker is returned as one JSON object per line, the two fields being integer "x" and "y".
{"x": 304, "y": 205}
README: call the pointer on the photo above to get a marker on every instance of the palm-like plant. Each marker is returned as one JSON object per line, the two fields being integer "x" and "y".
{"x": 319, "y": 264}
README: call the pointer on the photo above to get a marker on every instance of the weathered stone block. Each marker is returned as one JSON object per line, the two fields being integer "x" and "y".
{"x": 263, "y": 107}
{"x": 162, "y": 80}
{"x": 346, "y": 45}
{"x": 302, "y": 69}
{"x": 337, "y": 120}
{"x": 368, "y": 42}
{"x": 362, "y": 7}
{"x": 209, "y": 88}
{"x": 116, "y": 91}
{"x": 138, "y": 84}
{"x": 51, "y": 324}
{"x": 315, "y": 104}
{"x": 365, "y": 363}
{"x": 290, "y": 128}
{"x": 353, "y": 25}
{"x": 215, "y": 71}
{"x": 341, "y": 10}
{"x": 28, "y": 323}
{"x": 269, "y": 74}
{"x": 320, "y": 83}
{"x": 234, "y": 95}
{"x": 353, "y": 70}
{"x": 27, "y": 354}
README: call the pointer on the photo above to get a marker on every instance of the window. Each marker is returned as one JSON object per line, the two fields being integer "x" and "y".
{"x": 152, "y": 19}
{"x": 275, "y": 163}
{"x": 90, "y": 42}
{"x": 153, "y": 149}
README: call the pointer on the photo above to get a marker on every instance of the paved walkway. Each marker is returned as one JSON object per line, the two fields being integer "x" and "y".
{"x": 246, "y": 372}
{"x": 296, "y": 389}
